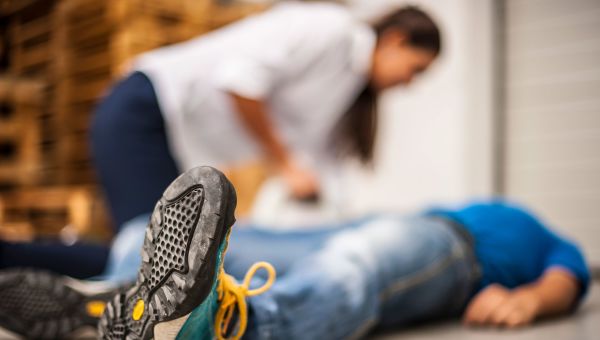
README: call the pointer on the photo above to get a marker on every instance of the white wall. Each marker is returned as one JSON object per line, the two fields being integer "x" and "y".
{"x": 553, "y": 114}
{"x": 436, "y": 135}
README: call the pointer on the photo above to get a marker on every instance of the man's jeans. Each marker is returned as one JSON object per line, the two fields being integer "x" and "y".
{"x": 341, "y": 281}
{"x": 125, "y": 257}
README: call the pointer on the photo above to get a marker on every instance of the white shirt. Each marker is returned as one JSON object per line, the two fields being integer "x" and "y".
{"x": 307, "y": 61}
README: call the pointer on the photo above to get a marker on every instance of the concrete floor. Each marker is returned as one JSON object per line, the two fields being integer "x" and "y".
{"x": 584, "y": 325}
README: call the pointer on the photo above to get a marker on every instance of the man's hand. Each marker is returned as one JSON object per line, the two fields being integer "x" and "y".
{"x": 501, "y": 307}
{"x": 555, "y": 292}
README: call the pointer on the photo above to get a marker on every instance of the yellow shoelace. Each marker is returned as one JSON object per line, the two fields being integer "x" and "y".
{"x": 232, "y": 296}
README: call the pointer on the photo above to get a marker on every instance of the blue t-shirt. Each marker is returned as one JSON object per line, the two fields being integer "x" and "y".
{"x": 513, "y": 247}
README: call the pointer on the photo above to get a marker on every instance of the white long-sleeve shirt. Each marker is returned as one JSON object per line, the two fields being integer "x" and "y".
{"x": 307, "y": 61}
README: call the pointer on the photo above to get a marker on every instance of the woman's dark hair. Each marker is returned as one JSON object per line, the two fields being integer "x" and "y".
{"x": 356, "y": 131}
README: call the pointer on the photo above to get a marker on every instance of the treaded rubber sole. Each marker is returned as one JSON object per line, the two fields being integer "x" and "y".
{"x": 40, "y": 305}
{"x": 179, "y": 256}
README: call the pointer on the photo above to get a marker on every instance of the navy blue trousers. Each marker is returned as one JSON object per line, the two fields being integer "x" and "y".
{"x": 130, "y": 149}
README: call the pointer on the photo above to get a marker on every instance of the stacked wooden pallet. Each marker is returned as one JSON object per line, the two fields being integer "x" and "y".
{"x": 28, "y": 49}
{"x": 30, "y": 34}
{"x": 94, "y": 42}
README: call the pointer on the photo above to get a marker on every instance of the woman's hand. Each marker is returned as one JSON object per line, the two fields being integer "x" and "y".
{"x": 501, "y": 307}
{"x": 302, "y": 182}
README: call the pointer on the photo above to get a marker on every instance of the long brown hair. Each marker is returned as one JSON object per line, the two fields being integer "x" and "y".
{"x": 356, "y": 131}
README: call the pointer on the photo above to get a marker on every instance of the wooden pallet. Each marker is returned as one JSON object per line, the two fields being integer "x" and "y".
{"x": 46, "y": 211}
{"x": 30, "y": 33}
{"x": 20, "y": 136}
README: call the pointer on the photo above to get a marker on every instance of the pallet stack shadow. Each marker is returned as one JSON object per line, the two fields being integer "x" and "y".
{"x": 63, "y": 56}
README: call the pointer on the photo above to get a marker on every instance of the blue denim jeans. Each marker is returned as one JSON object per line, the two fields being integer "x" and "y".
{"x": 340, "y": 282}
{"x": 125, "y": 255}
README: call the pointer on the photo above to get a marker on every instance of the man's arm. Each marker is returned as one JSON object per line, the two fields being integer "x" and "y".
{"x": 553, "y": 293}
{"x": 253, "y": 114}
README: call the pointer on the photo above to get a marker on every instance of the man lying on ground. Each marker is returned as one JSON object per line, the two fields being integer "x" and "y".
{"x": 494, "y": 263}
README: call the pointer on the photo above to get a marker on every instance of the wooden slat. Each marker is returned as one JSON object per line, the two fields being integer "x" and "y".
{"x": 10, "y": 129}
{"x": 92, "y": 29}
{"x": 88, "y": 90}
{"x": 91, "y": 64}
{"x": 77, "y": 11}
{"x": 54, "y": 208}
{"x": 21, "y": 91}
{"x": 31, "y": 30}
{"x": 76, "y": 146}
{"x": 41, "y": 54}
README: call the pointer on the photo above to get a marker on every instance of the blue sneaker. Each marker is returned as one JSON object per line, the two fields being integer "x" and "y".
{"x": 182, "y": 290}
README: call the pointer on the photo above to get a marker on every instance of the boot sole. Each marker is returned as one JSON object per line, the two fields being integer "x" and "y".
{"x": 41, "y": 305}
{"x": 179, "y": 256}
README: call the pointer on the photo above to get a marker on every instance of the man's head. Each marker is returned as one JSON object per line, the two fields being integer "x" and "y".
{"x": 407, "y": 43}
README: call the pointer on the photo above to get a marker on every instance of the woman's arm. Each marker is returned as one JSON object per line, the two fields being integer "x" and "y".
{"x": 553, "y": 293}
{"x": 253, "y": 114}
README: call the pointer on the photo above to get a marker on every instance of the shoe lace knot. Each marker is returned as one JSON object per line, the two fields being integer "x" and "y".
{"x": 232, "y": 296}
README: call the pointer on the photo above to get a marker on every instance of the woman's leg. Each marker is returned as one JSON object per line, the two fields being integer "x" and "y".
{"x": 388, "y": 270}
{"x": 79, "y": 260}
{"x": 130, "y": 150}
{"x": 118, "y": 263}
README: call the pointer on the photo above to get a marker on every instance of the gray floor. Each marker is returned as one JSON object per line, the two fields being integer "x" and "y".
{"x": 584, "y": 325}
